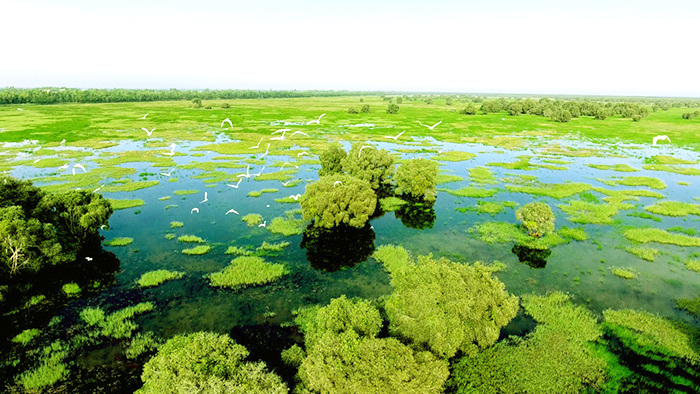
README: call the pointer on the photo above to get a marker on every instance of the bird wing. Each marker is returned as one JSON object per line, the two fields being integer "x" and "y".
{"x": 144, "y": 129}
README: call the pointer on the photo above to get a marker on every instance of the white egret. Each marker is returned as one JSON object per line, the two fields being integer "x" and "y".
{"x": 317, "y": 121}
{"x": 148, "y": 132}
{"x": 260, "y": 173}
{"x": 280, "y": 138}
{"x": 143, "y": 117}
{"x": 247, "y": 172}
{"x": 19, "y": 109}
{"x": 98, "y": 189}
{"x": 263, "y": 224}
{"x": 660, "y": 137}
{"x": 302, "y": 154}
{"x": 281, "y": 131}
{"x": 298, "y": 132}
{"x": 36, "y": 161}
{"x": 236, "y": 185}
{"x": 256, "y": 146}
{"x": 395, "y": 138}
{"x": 286, "y": 183}
{"x": 431, "y": 127}
{"x": 102, "y": 227}
{"x": 295, "y": 196}
{"x": 363, "y": 147}
{"x": 63, "y": 142}
{"x": 194, "y": 210}
{"x": 205, "y": 198}
{"x": 63, "y": 167}
{"x": 285, "y": 163}
{"x": 79, "y": 166}
{"x": 232, "y": 211}
{"x": 337, "y": 182}
{"x": 266, "y": 151}
{"x": 168, "y": 173}
{"x": 226, "y": 120}
{"x": 172, "y": 150}
{"x": 88, "y": 258}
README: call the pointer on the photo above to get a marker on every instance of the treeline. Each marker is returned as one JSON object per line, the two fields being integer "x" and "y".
{"x": 51, "y": 95}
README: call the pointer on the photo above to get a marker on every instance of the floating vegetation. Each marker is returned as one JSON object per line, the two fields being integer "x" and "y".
{"x": 71, "y": 289}
{"x": 683, "y": 183}
{"x": 693, "y": 265}
{"x": 690, "y": 305}
{"x": 447, "y": 178}
{"x": 190, "y": 239}
{"x": 258, "y": 193}
{"x": 164, "y": 198}
{"x": 627, "y": 273}
{"x": 615, "y": 167}
{"x": 662, "y": 159}
{"x": 504, "y": 232}
{"x": 154, "y": 278}
{"x": 687, "y": 231}
{"x": 391, "y": 204}
{"x": 253, "y": 219}
{"x": 583, "y": 212}
{"x": 648, "y": 234}
{"x": 197, "y": 250}
{"x": 674, "y": 208}
{"x": 287, "y": 200}
{"x": 523, "y": 163}
{"x": 247, "y": 270}
{"x": 578, "y": 233}
{"x": 674, "y": 169}
{"x": 557, "y": 190}
{"x": 170, "y": 236}
{"x": 131, "y": 186}
{"x": 122, "y": 241}
{"x": 185, "y": 192}
{"x": 289, "y": 224}
{"x": 645, "y": 215}
{"x": 482, "y": 175}
{"x": 648, "y": 254}
{"x": 454, "y": 155}
{"x": 26, "y": 336}
{"x": 489, "y": 207}
{"x": 176, "y": 224}
{"x": 281, "y": 176}
{"x": 654, "y": 183}
{"x": 235, "y": 250}
{"x": 269, "y": 247}
{"x": 171, "y": 206}
{"x": 474, "y": 192}
{"x": 124, "y": 204}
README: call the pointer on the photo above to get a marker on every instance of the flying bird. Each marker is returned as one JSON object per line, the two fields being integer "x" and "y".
{"x": 88, "y": 258}
{"x": 298, "y": 132}
{"x": 256, "y": 146}
{"x": 660, "y": 137}
{"x": 263, "y": 224}
{"x": 363, "y": 147}
{"x": 265, "y": 154}
{"x": 36, "y": 161}
{"x": 168, "y": 173}
{"x": 337, "y": 182}
{"x": 286, "y": 183}
{"x": 247, "y": 172}
{"x": 79, "y": 166}
{"x": 144, "y": 116}
{"x": 226, "y": 120}
{"x": 194, "y": 210}
{"x": 236, "y": 185}
{"x": 431, "y": 127}
{"x": 172, "y": 150}
{"x": 148, "y": 132}
{"x": 317, "y": 121}
{"x": 281, "y": 131}
{"x": 63, "y": 167}
{"x": 302, "y": 154}
{"x": 395, "y": 138}
{"x": 280, "y": 138}
{"x": 98, "y": 189}
{"x": 232, "y": 211}
{"x": 285, "y": 163}
{"x": 260, "y": 173}
{"x": 296, "y": 196}
{"x": 205, "y": 198}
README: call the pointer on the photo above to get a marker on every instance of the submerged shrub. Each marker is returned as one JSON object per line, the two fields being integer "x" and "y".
{"x": 537, "y": 218}
{"x": 416, "y": 177}
{"x": 337, "y": 199}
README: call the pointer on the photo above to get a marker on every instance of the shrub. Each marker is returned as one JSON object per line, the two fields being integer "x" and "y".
{"x": 392, "y": 109}
{"x": 372, "y": 165}
{"x": 470, "y": 109}
{"x": 205, "y": 362}
{"x": 225, "y": 105}
{"x": 561, "y": 115}
{"x": 416, "y": 177}
{"x": 196, "y": 103}
{"x": 331, "y": 159}
{"x": 537, "y": 218}
{"x": 365, "y": 109}
{"x": 636, "y": 118}
{"x": 337, "y": 199}
{"x": 353, "y": 110}
{"x": 399, "y": 100}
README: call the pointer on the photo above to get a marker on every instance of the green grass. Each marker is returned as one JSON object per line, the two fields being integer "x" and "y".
{"x": 235, "y": 250}
{"x": 693, "y": 265}
{"x": 578, "y": 233}
{"x": 253, "y": 219}
{"x": 623, "y": 273}
{"x": 130, "y": 186}
{"x": 191, "y": 239}
{"x": 687, "y": 231}
{"x": 121, "y": 241}
{"x": 473, "y": 192}
{"x": 164, "y": 198}
{"x": 185, "y": 192}
{"x": 270, "y": 247}
{"x": 288, "y": 225}
{"x": 258, "y": 193}
{"x": 690, "y": 305}
{"x": 615, "y": 167}
{"x": 447, "y": 178}
{"x": 674, "y": 169}
{"x": 155, "y": 278}
{"x": 503, "y": 232}
{"x": 674, "y": 208}
{"x": 654, "y": 183}
{"x": 71, "y": 289}
{"x": 454, "y": 156}
{"x": 557, "y": 190}
{"x": 482, "y": 175}
{"x": 197, "y": 250}
{"x": 662, "y": 159}
{"x": 583, "y": 212}
{"x": 124, "y": 204}
{"x": 648, "y": 254}
{"x": 176, "y": 224}
{"x": 648, "y": 234}
{"x": 246, "y": 271}
{"x": 26, "y": 336}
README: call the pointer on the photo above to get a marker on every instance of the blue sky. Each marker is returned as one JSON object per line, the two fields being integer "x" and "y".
{"x": 558, "y": 47}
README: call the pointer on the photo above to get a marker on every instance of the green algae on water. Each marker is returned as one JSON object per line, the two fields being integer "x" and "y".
{"x": 155, "y": 278}
{"x": 674, "y": 208}
{"x": 583, "y": 212}
{"x": 122, "y": 241}
{"x": 654, "y": 183}
{"x": 124, "y": 204}
{"x": 447, "y": 178}
{"x": 253, "y": 219}
{"x": 258, "y": 193}
{"x": 557, "y": 190}
{"x": 289, "y": 224}
{"x": 473, "y": 192}
{"x": 644, "y": 253}
{"x": 246, "y": 271}
{"x": 197, "y": 250}
{"x": 649, "y": 234}
{"x": 615, "y": 167}
{"x": 482, "y": 175}
{"x": 185, "y": 192}
{"x": 176, "y": 224}
{"x": 190, "y": 239}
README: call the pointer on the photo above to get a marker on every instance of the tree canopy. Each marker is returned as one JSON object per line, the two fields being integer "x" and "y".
{"x": 537, "y": 218}
{"x": 337, "y": 199}
{"x": 372, "y": 165}
{"x": 330, "y": 160}
{"x": 416, "y": 177}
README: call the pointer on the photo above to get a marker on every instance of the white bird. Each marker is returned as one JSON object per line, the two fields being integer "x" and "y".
{"x": 263, "y": 224}
{"x": 205, "y": 198}
{"x": 279, "y": 138}
{"x": 148, "y": 132}
{"x": 226, "y": 120}
{"x": 236, "y": 185}
{"x": 194, "y": 210}
{"x": 317, "y": 121}
{"x": 19, "y": 109}
{"x": 302, "y": 154}
{"x": 63, "y": 167}
{"x": 172, "y": 150}
{"x": 363, "y": 147}
{"x": 286, "y": 183}
{"x": 256, "y": 146}
{"x": 260, "y": 173}
{"x": 36, "y": 161}
{"x": 144, "y": 116}
{"x": 168, "y": 173}
{"x": 102, "y": 227}
{"x": 98, "y": 189}
{"x": 337, "y": 182}
{"x": 295, "y": 196}
{"x": 232, "y": 211}
{"x": 79, "y": 166}
{"x": 395, "y": 138}
{"x": 247, "y": 172}
{"x": 298, "y": 132}
{"x": 265, "y": 154}
{"x": 661, "y": 137}
{"x": 281, "y": 131}
{"x": 63, "y": 142}
{"x": 285, "y": 163}
{"x": 88, "y": 258}
{"x": 431, "y": 127}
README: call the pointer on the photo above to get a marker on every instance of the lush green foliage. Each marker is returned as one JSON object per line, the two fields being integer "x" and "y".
{"x": 197, "y": 250}
{"x": 337, "y": 199}
{"x": 648, "y": 234}
{"x": 248, "y": 270}
{"x": 26, "y": 336}
{"x": 331, "y": 159}
{"x": 206, "y": 363}
{"x": 416, "y": 178}
{"x": 443, "y": 305}
{"x": 154, "y": 278}
{"x": 253, "y": 219}
{"x": 537, "y": 218}
{"x": 190, "y": 239}
{"x": 372, "y": 165}
{"x": 289, "y": 224}
{"x": 122, "y": 241}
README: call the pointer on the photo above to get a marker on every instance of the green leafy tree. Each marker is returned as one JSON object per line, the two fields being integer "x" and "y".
{"x": 365, "y": 109}
{"x": 353, "y": 110}
{"x": 205, "y": 362}
{"x": 337, "y": 199}
{"x": 392, "y": 109}
{"x": 445, "y": 306}
{"x": 399, "y": 100}
{"x": 515, "y": 109}
{"x": 428, "y": 100}
{"x": 537, "y": 218}
{"x": 225, "y": 105}
{"x": 561, "y": 115}
{"x": 196, "y": 103}
{"x": 448, "y": 101}
{"x": 470, "y": 109}
{"x": 416, "y": 177}
{"x": 331, "y": 159}
{"x": 78, "y": 213}
{"x": 371, "y": 164}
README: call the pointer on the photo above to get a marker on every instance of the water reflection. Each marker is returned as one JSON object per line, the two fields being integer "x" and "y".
{"x": 417, "y": 215}
{"x": 340, "y": 247}
{"x": 535, "y": 258}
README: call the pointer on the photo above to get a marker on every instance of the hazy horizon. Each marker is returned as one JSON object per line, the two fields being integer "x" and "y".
{"x": 537, "y": 47}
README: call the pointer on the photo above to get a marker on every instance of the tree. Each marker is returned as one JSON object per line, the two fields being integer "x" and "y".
{"x": 372, "y": 165}
{"x": 444, "y": 306}
{"x": 365, "y": 109}
{"x": 416, "y": 178}
{"x": 561, "y": 115}
{"x": 331, "y": 159}
{"x": 352, "y": 110}
{"x": 537, "y": 218}
{"x": 337, "y": 199}
{"x": 399, "y": 100}
{"x": 225, "y": 105}
{"x": 515, "y": 109}
{"x": 205, "y": 362}
{"x": 470, "y": 109}
{"x": 196, "y": 103}
{"x": 392, "y": 109}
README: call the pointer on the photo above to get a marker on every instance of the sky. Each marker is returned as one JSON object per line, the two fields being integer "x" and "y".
{"x": 592, "y": 47}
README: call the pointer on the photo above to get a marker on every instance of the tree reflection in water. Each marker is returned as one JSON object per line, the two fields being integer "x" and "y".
{"x": 338, "y": 247}
{"x": 535, "y": 258}
{"x": 417, "y": 215}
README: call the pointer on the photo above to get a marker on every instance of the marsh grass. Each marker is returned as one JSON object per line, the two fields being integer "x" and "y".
{"x": 625, "y": 273}
{"x": 246, "y": 271}
{"x": 615, "y": 167}
{"x": 473, "y": 192}
{"x": 583, "y": 212}
{"x": 286, "y": 200}
{"x": 176, "y": 224}
{"x": 693, "y": 265}
{"x": 674, "y": 208}
{"x": 258, "y": 193}
{"x": 281, "y": 176}
{"x": 662, "y": 159}
{"x": 191, "y": 239}
{"x": 648, "y": 254}
{"x": 26, "y": 336}
{"x": 690, "y": 305}
{"x": 170, "y": 236}
{"x": 140, "y": 344}
{"x": 447, "y": 178}
{"x": 185, "y": 192}
{"x": 155, "y": 278}
{"x": 687, "y": 231}
{"x": 557, "y": 190}
{"x": 454, "y": 156}
{"x": 164, "y": 198}
{"x": 125, "y": 204}
{"x": 197, "y": 250}
{"x": 130, "y": 186}
{"x": 252, "y": 219}
{"x": 648, "y": 234}
{"x": 289, "y": 224}
{"x": 674, "y": 169}
{"x": 578, "y": 233}
{"x": 121, "y": 241}
{"x": 238, "y": 251}
{"x": 482, "y": 175}
{"x": 654, "y": 183}
{"x": 51, "y": 368}
{"x": 391, "y": 204}
{"x": 271, "y": 247}
{"x": 503, "y": 232}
